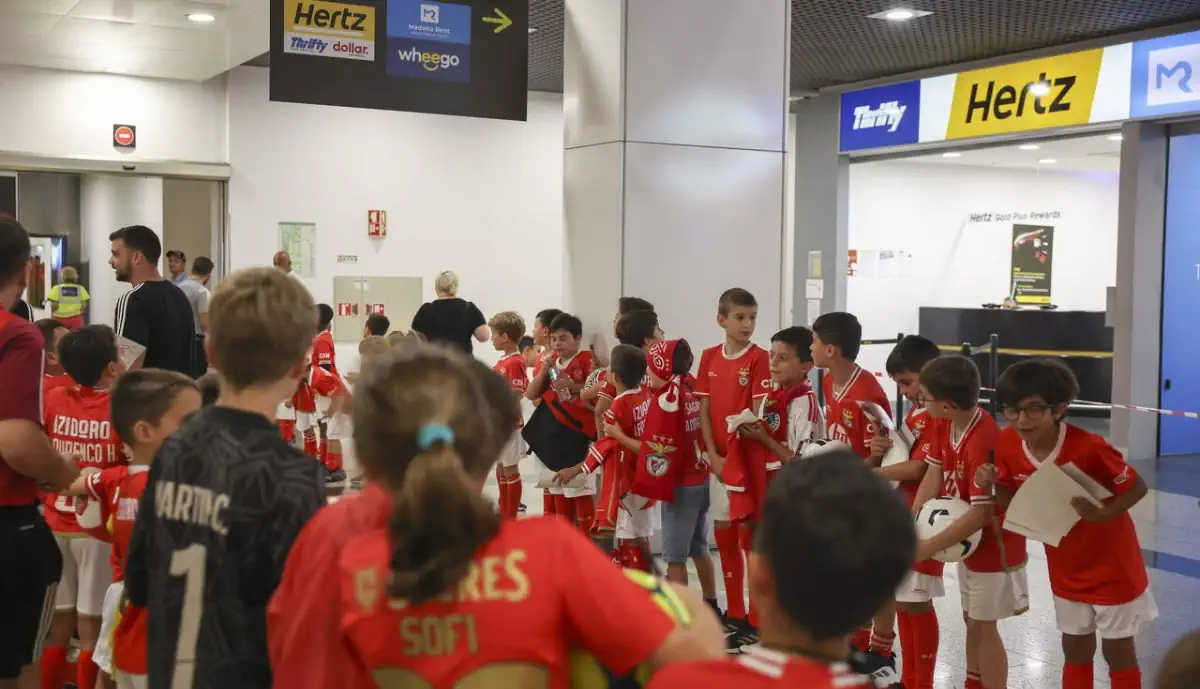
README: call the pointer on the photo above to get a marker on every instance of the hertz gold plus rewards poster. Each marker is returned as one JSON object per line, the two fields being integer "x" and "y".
{"x": 1032, "y": 263}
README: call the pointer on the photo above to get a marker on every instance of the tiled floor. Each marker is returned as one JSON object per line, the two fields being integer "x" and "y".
{"x": 1169, "y": 527}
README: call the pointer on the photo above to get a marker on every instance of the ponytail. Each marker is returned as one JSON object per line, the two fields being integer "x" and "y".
{"x": 438, "y": 523}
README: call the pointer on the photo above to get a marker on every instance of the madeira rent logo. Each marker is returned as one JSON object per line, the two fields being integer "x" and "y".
{"x": 1166, "y": 76}
{"x": 329, "y": 29}
{"x": 428, "y": 60}
{"x": 429, "y": 20}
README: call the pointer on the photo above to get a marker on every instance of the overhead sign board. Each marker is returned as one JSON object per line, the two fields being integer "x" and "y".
{"x": 884, "y": 116}
{"x": 1165, "y": 79}
{"x": 1084, "y": 87}
{"x": 450, "y": 57}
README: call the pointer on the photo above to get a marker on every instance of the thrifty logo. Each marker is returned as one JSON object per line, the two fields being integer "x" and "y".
{"x": 329, "y": 29}
{"x": 1050, "y": 92}
{"x": 888, "y": 115}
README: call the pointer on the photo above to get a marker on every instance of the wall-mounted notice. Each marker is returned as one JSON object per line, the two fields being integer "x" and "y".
{"x": 299, "y": 239}
{"x": 1032, "y": 263}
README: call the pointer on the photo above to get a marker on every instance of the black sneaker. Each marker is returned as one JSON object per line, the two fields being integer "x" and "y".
{"x": 728, "y": 624}
{"x": 744, "y": 635}
{"x": 521, "y": 508}
{"x": 881, "y": 670}
{"x": 335, "y": 478}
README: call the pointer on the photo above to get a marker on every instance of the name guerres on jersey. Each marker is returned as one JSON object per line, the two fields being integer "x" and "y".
{"x": 888, "y": 114}
{"x": 181, "y": 502}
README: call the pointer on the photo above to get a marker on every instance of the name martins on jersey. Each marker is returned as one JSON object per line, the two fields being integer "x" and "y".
{"x": 89, "y": 440}
{"x": 181, "y": 502}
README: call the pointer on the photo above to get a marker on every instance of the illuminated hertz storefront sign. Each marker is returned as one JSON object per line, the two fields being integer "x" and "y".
{"x": 1068, "y": 90}
{"x": 1039, "y": 94}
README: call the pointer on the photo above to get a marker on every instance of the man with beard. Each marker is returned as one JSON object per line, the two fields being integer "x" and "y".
{"x": 155, "y": 314}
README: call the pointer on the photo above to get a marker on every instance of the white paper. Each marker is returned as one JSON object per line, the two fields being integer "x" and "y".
{"x": 878, "y": 413}
{"x": 1096, "y": 491}
{"x": 814, "y": 289}
{"x": 814, "y": 310}
{"x": 1042, "y": 509}
{"x": 129, "y": 351}
{"x": 745, "y": 417}
{"x": 900, "y": 450}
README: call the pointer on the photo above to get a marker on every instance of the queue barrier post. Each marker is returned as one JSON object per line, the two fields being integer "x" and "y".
{"x": 993, "y": 372}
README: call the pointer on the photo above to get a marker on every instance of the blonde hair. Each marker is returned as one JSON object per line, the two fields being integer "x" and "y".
{"x": 446, "y": 283}
{"x": 399, "y": 339}
{"x": 69, "y": 274}
{"x": 422, "y": 426}
{"x": 372, "y": 348}
{"x": 508, "y": 323}
{"x": 261, "y": 324}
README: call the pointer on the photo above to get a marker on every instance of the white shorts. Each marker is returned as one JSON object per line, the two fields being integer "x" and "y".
{"x": 305, "y": 421}
{"x": 920, "y": 588}
{"x": 86, "y": 574}
{"x": 634, "y": 520}
{"x": 102, "y": 655}
{"x": 340, "y": 427}
{"x": 991, "y": 596}
{"x": 510, "y": 456}
{"x": 718, "y": 500}
{"x": 1112, "y": 621}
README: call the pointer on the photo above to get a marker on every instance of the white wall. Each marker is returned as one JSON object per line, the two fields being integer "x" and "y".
{"x": 480, "y": 197}
{"x": 923, "y": 209}
{"x": 71, "y": 114}
{"x": 107, "y": 203}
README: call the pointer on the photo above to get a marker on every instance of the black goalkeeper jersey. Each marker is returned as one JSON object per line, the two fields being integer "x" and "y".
{"x": 225, "y": 500}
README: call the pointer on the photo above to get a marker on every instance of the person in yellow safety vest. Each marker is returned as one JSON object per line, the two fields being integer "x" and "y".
{"x": 68, "y": 299}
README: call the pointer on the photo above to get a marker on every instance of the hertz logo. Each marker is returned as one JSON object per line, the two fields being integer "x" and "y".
{"x": 1015, "y": 98}
{"x": 329, "y": 29}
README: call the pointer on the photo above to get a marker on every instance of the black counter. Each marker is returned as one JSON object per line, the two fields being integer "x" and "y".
{"x": 1080, "y": 338}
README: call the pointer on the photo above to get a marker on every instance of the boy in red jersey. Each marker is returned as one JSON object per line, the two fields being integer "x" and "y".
{"x": 324, "y": 354}
{"x": 562, "y": 439}
{"x": 147, "y": 406}
{"x": 637, "y": 328}
{"x": 915, "y": 615}
{"x": 54, "y": 377}
{"x": 1096, "y": 571}
{"x": 496, "y": 602}
{"x": 992, "y": 580}
{"x": 734, "y": 376}
{"x": 790, "y": 418}
{"x": 837, "y": 338}
{"x": 507, "y": 328}
{"x": 808, "y": 612}
{"x": 319, "y": 395}
{"x": 541, "y": 344}
{"x": 632, "y": 517}
{"x": 77, "y": 419}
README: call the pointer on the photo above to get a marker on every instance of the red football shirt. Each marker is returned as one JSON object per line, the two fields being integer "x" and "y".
{"x": 78, "y": 421}
{"x": 924, "y": 431}
{"x": 303, "y": 619}
{"x": 319, "y": 383}
{"x": 759, "y": 667}
{"x": 845, "y": 419}
{"x": 731, "y": 383}
{"x": 512, "y": 367}
{"x": 1096, "y": 563}
{"x": 21, "y": 365}
{"x": 323, "y": 354}
{"x": 628, "y": 411}
{"x": 120, "y": 488}
{"x": 50, "y": 382}
{"x": 537, "y": 590}
{"x": 959, "y": 458}
{"x": 577, "y": 368}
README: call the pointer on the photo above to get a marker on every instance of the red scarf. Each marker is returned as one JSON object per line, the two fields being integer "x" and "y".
{"x": 669, "y": 440}
{"x": 746, "y": 460}
{"x": 617, "y": 480}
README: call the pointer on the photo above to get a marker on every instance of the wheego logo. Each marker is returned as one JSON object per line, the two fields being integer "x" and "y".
{"x": 430, "y": 61}
{"x": 1050, "y": 92}
{"x": 329, "y": 29}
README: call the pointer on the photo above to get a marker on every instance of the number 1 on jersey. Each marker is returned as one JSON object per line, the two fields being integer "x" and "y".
{"x": 190, "y": 564}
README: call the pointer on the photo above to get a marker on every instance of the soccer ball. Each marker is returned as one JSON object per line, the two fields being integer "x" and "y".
{"x": 936, "y": 515}
{"x": 813, "y": 448}
{"x": 588, "y": 673}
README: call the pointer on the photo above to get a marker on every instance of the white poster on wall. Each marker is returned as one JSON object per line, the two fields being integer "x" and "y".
{"x": 299, "y": 239}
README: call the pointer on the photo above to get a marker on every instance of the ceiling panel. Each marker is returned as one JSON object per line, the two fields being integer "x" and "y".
{"x": 833, "y": 41}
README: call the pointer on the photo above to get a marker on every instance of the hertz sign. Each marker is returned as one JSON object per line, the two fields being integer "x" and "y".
{"x": 1050, "y": 92}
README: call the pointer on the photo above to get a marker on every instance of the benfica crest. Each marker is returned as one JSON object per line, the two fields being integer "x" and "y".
{"x": 366, "y": 588}
{"x": 657, "y": 461}
{"x": 848, "y": 418}
{"x": 744, "y": 377}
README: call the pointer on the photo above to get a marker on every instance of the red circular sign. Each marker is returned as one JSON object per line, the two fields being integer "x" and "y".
{"x": 123, "y": 136}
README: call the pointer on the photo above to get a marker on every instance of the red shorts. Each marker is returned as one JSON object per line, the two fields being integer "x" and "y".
{"x": 287, "y": 429}
{"x": 746, "y": 504}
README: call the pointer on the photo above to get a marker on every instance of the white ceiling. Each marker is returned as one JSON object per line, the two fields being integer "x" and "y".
{"x": 1096, "y": 153}
{"x": 152, "y": 38}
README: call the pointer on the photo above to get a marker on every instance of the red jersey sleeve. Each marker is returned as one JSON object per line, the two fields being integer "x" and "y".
{"x": 326, "y": 385}
{"x": 1108, "y": 467}
{"x": 102, "y": 484}
{"x": 760, "y": 374}
{"x": 518, "y": 378}
{"x": 935, "y": 450}
{"x": 600, "y": 601}
{"x": 700, "y": 385}
{"x": 977, "y": 453}
{"x": 607, "y": 390}
{"x": 323, "y": 351}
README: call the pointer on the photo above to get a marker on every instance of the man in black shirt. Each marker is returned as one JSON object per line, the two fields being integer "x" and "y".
{"x": 155, "y": 313}
{"x": 227, "y": 497}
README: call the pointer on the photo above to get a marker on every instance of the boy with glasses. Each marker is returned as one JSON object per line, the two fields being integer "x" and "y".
{"x": 1096, "y": 572}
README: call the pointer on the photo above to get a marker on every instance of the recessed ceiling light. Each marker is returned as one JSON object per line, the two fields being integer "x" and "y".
{"x": 1115, "y": 137}
{"x": 951, "y": 154}
{"x": 1047, "y": 161}
{"x": 201, "y": 17}
{"x": 1040, "y": 88}
{"x": 899, "y": 14}
{"x": 1028, "y": 147}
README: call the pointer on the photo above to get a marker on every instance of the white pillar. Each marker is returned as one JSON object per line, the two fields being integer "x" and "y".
{"x": 106, "y": 204}
{"x": 674, "y": 167}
